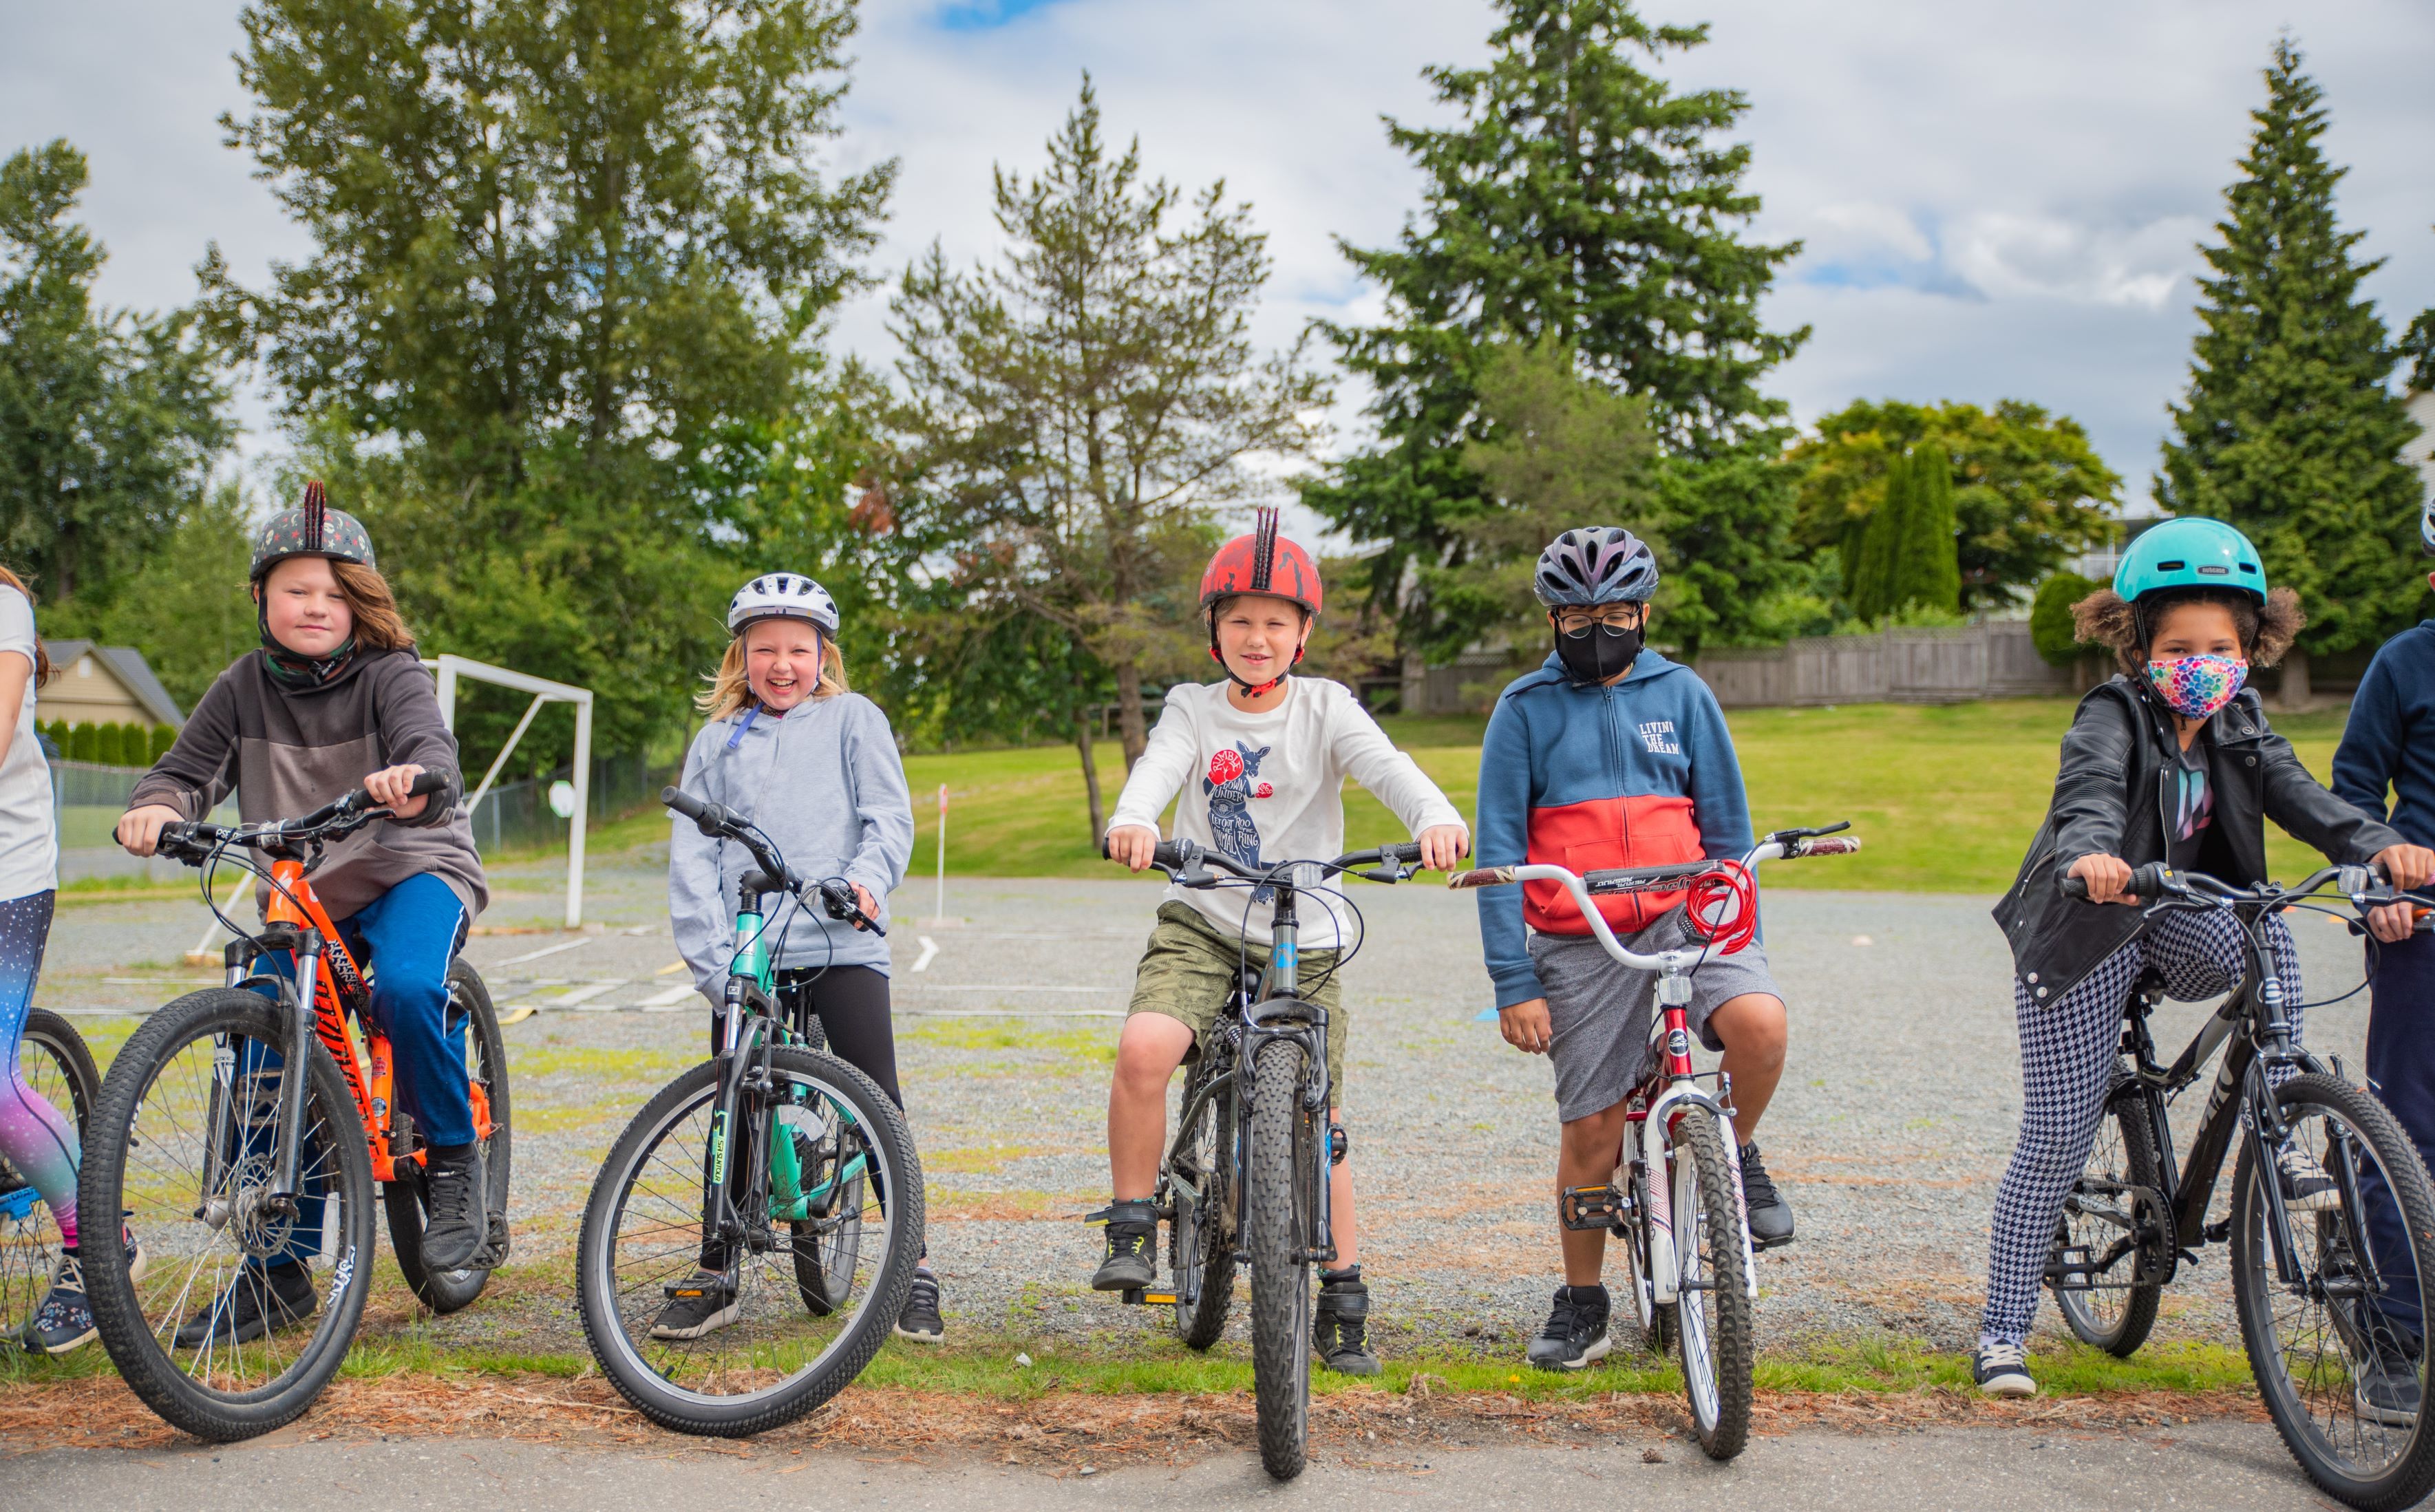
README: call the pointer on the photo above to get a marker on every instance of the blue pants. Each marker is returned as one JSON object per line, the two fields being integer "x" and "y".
{"x": 408, "y": 936}
{"x": 2401, "y": 1072}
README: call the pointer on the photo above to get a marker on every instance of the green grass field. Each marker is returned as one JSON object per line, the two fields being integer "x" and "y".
{"x": 1945, "y": 798}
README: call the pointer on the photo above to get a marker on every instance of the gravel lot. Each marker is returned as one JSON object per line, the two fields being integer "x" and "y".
{"x": 1889, "y": 1134}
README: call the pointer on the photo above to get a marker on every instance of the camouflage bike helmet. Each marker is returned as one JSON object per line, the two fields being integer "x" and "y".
{"x": 311, "y": 529}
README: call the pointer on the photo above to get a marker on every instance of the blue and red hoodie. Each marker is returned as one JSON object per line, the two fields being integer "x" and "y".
{"x": 1636, "y": 774}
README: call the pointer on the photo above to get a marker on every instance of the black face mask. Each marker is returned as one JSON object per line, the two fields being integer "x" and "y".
{"x": 1599, "y": 652}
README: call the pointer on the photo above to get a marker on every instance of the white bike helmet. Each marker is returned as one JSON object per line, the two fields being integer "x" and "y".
{"x": 782, "y": 596}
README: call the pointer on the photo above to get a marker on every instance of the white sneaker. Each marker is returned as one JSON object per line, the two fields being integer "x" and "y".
{"x": 2306, "y": 1184}
{"x": 2002, "y": 1371}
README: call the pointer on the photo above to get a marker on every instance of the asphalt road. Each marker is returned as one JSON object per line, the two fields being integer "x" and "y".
{"x": 2222, "y": 1467}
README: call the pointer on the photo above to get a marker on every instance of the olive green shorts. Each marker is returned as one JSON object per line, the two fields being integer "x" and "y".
{"x": 1187, "y": 973}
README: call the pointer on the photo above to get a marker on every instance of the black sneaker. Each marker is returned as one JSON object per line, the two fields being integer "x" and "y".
{"x": 1576, "y": 1332}
{"x": 2306, "y": 1184}
{"x": 455, "y": 1226}
{"x": 256, "y": 1303}
{"x": 920, "y": 1321}
{"x": 1770, "y": 1217}
{"x": 2387, "y": 1390}
{"x": 2001, "y": 1370}
{"x": 1133, "y": 1239}
{"x": 1339, "y": 1328}
{"x": 700, "y": 1305}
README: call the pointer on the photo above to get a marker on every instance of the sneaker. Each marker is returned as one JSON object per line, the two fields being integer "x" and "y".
{"x": 2306, "y": 1184}
{"x": 1133, "y": 1235}
{"x": 2002, "y": 1370}
{"x": 1770, "y": 1217}
{"x": 2387, "y": 1389}
{"x": 455, "y": 1226}
{"x": 64, "y": 1319}
{"x": 1576, "y": 1332}
{"x": 703, "y": 1304}
{"x": 256, "y": 1303}
{"x": 920, "y": 1321}
{"x": 1339, "y": 1328}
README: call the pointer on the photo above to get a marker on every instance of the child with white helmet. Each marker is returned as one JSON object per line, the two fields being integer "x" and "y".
{"x": 815, "y": 765}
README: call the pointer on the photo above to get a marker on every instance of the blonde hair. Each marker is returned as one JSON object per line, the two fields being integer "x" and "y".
{"x": 731, "y": 691}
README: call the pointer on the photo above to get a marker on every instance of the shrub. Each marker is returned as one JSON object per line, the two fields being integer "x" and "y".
{"x": 163, "y": 736}
{"x": 2051, "y": 629}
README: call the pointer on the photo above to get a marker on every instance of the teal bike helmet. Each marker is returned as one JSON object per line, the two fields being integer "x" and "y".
{"x": 2191, "y": 552}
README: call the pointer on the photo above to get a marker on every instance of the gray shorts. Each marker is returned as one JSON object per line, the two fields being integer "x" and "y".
{"x": 1600, "y": 1012}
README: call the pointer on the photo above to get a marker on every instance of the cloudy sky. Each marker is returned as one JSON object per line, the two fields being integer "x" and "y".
{"x": 1995, "y": 199}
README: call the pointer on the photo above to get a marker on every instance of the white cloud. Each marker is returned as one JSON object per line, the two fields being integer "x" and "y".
{"x": 1996, "y": 201}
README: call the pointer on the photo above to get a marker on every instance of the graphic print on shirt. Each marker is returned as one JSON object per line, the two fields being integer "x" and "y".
{"x": 1230, "y": 790}
{"x": 1658, "y": 736}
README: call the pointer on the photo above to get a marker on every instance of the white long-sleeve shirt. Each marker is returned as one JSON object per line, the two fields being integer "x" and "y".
{"x": 1269, "y": 787}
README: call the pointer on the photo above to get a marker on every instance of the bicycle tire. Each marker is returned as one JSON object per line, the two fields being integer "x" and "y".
{"x": 123, "y": 1314}
{"x": 29, "y": 1235}
{"x": 1199, "y": 1249}
{"x": 2128, "y": 1158}
{"x": 824, "y": 1264}
{"x": 408, "y": 1197}
{"x": 741, "y": 1415}
{"x": 2409, "y": 1473}
{"x": 1277, "y": 1231}
{"x": 1715, "y": 1326}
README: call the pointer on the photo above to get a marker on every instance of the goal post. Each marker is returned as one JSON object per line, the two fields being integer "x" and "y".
{"x": 448, "y": 670}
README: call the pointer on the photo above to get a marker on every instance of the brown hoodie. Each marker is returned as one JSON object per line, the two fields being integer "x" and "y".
{"x": 287, "y": 751}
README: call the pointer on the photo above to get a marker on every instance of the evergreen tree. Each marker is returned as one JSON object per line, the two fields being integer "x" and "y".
{"x": 2288, "y": 430}
{"x": 1929, "y": 574}
{"x": 1581, "y": 199}
{"x": 1872, "y": 568}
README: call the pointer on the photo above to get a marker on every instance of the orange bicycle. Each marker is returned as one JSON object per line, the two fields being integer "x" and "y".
{"x": 253, "y": 1186}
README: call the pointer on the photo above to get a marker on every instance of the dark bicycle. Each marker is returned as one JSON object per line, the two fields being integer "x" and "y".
{"x": 777, "y": 1178}
{"x": 2314, "y": 1294}
{"x": 1242, "y": 1187}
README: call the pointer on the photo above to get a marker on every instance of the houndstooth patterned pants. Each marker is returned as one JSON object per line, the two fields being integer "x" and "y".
{"x": 2068, "y": 1050}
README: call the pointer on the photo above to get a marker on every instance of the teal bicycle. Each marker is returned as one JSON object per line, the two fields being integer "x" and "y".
{"x": 751, "y": 1239}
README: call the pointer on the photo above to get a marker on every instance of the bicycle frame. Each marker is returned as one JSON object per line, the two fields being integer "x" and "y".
{"x": 327, "y": 988}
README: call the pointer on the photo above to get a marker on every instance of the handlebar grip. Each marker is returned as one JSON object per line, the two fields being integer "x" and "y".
{"x": 710, "y": 818}
{"x": 1406, "y": 853}
{"x": 1823, "y": 846}
{"x": 1175, "y": 855}
{"x": 426, "y": 782}
{"x": 1482, "y": 877}
{"x": 2146, "y": 882}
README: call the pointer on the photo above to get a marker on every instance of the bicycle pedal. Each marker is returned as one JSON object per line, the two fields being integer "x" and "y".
{"x": 1143, "y": 1297}
{"x": 1592, "y": 1207}
{"x": 496, "y": 1244}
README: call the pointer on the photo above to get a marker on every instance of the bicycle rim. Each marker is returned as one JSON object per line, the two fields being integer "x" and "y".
{"x": 52, "y": 1062}
{"x": 1713, "y": 1316}
{"x": 183, "y": 1142}
{"x": 2098, "y": 1220}
{"x": 778, "y": 1357}
{"x": 2312, "y": 1342}
{"x": 1277, "y": 1223}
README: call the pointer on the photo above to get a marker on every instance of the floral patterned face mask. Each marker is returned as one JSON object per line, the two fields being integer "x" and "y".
{"x": 2197, "y": 686}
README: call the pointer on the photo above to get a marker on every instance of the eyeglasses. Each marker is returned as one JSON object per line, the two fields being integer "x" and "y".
{"x": 1614, "y": 616}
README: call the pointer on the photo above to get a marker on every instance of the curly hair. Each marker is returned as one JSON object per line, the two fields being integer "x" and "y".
{"x": 2105, "y": 618}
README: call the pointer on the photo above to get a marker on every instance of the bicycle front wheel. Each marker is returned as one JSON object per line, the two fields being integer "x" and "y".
{"x": 1714, "y": 1321}
{"x": 2105, "y": 1237}
{"x": 1277, "y": 1208}
{"x": 2328, "y": 1344}
{"x": 1201, "y": 1241}
{"x": 53, "y": 1063}
{"x": 246, "y": 1303}
{"x": 759, "y": 1352}
{"x": 406, "y": 1197}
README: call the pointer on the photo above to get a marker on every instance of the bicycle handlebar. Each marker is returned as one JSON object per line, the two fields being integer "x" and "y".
{"x": 1185, "y": 862}
{"x": 1785, "y": 846}
{"x": 192, "y": 840}
{"x": 719, "y": 822}
{"x": 2366, "y": 886}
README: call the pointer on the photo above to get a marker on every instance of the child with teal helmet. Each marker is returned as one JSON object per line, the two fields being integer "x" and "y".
{"x": 2170, "y": 761}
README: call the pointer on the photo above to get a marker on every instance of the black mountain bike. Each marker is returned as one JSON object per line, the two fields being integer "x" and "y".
{"x": 2314, "y": 1296}
{"x": 1246, "y": 1180}
{"x": 781, "y": 1177}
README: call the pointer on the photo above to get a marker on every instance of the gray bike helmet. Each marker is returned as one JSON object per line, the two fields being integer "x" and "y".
{"x": 782, "y": 596}
{"x": 1597, "y": 564}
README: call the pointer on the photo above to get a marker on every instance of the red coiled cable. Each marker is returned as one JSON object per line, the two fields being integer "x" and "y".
{"x": 1730, "y": 892}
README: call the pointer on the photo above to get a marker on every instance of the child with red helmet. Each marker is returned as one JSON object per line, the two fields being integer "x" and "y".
{"x": 1259, "y": 760}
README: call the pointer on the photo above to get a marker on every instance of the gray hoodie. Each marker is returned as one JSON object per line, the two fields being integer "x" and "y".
{"x": 824, "y": 782}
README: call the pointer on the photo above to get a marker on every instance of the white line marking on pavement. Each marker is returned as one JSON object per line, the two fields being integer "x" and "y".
{"x": 667, "y": 999}
{"x": 546, "y": 950}
{"x": 930, "y": 948}
{"x": 583, "y": 997}
{"x": 965, "y": 987}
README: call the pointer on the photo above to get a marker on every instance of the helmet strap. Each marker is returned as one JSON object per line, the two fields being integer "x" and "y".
{"x": 1255, "y": 690}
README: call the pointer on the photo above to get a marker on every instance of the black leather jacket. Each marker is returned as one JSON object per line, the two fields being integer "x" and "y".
{"x": 2111, "y": 796}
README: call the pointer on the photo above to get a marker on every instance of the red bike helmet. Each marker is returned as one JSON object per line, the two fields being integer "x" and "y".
{"x": 1262, "y": 562}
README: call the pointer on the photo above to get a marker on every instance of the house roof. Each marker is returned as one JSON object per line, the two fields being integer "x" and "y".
{"x": 128, "y": 665}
